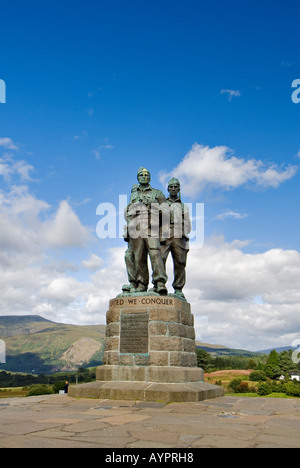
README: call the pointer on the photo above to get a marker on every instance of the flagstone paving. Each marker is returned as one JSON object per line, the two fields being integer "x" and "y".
{"x": 59, "y": 421}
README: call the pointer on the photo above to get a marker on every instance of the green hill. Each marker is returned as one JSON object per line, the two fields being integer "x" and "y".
{"x": 219, "y": 350}
{"x": 36, "y": 345}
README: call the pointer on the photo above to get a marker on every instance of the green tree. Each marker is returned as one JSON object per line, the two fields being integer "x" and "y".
{"x": 258, "y": 376}
{"x": 272, "y": 368}
{"x": 285, "y": 362}
{"x": 252, "y": 364}
{"x": 203, "y": 358}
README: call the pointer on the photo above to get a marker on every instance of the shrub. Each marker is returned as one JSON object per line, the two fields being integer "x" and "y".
{"x": 264, "y": 389}
{"x": 292, "y": 389}
{"x": 277, "y": 387}
{"x": 258, "y": 376}
{"x": 243, "y": 387}
{"x": 219, "y": 382}
{"x": 234, "y": 384}
{"x": 42, "y": 389}
{"x": 59, "y": 385}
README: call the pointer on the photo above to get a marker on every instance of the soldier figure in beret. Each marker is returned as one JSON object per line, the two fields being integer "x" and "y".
{"x": 141, "y": 224}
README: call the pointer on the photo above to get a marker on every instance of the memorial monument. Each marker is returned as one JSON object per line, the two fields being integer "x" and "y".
{"x": 150, "y": 337}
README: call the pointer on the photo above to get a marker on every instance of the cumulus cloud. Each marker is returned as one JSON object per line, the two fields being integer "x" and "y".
{"x": 65, "y": 230}
{"x": 93, "y": 263}
{"x": 10, "y": 168}
{"x": 20, "y": 222}
{"x": 231, "y": 214}
{"x": 224, "y": 284}
{"x": 31, "y": 279}
{"x": 62, "y": 290}
{"x": 8, "y": 144}
{"x": 204, "y": 167}
{"x": 231, "y": 93}
{"x": 238, "y": 299}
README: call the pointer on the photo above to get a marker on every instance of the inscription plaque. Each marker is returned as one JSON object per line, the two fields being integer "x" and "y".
{"x": 134, "y": 333}
{"x": 142, "y": 301}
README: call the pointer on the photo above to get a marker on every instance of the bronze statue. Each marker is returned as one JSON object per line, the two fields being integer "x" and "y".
{"x": 156, "y": 226}
{"x": 143, "y": 237}
{"x": 177, "y": 242}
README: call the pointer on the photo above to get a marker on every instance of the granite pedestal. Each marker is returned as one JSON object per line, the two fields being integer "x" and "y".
{"x": 149, "y": 353}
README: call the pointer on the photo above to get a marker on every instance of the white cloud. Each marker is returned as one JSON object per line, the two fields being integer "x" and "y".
{"x": 10, "y": 168}
{"x": 238, "y": 299}
{"x": 223, "y": 285}
{"x": 27, "y": 225}
{"x": 231, "y": 214}
{"x": 33, "y": 280}
{"x": 98, "y": 152}
{"x": 223, "y": 282}
{"x": 8, "y": 144}
{"x": 20, "y": 220}
{"x": 63, "y": 290}
{"x": 204, "y": 167}
{"x": 93, "y": 263}
{"x": 231, "y": 93}
{"x": 65, "y": 230}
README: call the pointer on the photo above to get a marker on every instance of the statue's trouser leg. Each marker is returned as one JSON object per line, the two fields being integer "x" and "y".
{"x": 130, "y": 264}
{"x": 141, "y": 261}
{"x": 165, "y": 250}
{"x": 158, "y": 267}
{"x": 179, "y": 256}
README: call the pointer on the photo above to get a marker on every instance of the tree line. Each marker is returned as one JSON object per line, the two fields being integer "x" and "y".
{"x": 8, "y": 379}
{"x": 274, "y": 365}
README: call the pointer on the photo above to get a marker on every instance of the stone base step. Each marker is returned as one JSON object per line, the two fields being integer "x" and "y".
{"x": 151, "y": 374}
{"x": 147, "y": 391}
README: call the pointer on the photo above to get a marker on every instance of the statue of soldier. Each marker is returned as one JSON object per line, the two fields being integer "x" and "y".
{"x": 142, "y": 216}
{"x": 177, "y": 241}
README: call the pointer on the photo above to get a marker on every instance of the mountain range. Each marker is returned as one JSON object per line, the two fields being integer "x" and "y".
{"x": 37, "y": 345}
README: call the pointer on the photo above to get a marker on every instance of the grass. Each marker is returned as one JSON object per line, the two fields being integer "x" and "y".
{"x": 13, "y": 392}
{"x": 226, "y": 376}
{"x": 256, "y": 395}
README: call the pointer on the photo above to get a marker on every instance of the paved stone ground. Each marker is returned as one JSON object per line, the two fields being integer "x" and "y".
{"x": 58, "y": 421}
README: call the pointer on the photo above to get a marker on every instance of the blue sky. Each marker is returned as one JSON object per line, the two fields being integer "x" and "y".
{"x": 95, "y": 89}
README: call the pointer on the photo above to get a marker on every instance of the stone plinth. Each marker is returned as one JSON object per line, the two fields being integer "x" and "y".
{"x": 149, "y": 353}
{"x": 150, "y": 339}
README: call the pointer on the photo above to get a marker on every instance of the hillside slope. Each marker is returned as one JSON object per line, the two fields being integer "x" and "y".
{"x": 22, "y": 325}
{"x": 220, "y": 350}
{"x": 34, "y": 344}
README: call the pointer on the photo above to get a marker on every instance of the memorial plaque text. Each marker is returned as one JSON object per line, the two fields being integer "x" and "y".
{"x": 134, "y": 333}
